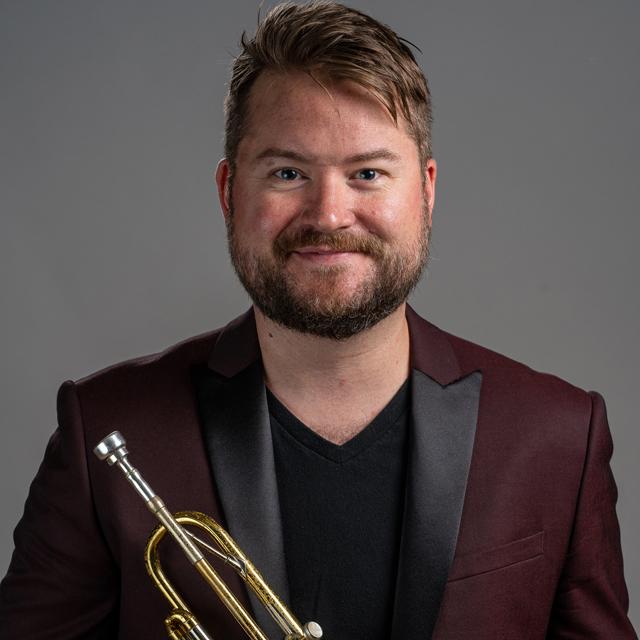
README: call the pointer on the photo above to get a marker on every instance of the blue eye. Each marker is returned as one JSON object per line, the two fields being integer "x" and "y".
{"x": 367, "y": 174}
{"x": 287, "y": 174}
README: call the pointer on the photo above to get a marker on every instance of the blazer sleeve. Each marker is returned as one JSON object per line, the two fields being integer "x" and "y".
{"x": 591, "y": 601}
{"x": 62, "y": 581}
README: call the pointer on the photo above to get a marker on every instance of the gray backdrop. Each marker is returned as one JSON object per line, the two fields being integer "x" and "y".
{"x": 113, "y": 245}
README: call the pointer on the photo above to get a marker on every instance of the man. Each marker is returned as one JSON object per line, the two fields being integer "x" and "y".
{"x": 387, "y": 478}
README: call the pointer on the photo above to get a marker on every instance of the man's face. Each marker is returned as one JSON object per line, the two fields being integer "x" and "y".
{"x": 328, "y": 211}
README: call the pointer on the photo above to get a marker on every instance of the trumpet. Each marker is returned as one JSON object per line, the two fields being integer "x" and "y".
{"x": 181, "y": 623}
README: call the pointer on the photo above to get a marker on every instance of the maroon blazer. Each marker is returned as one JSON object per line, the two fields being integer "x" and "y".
{"x": 509, "y": 527}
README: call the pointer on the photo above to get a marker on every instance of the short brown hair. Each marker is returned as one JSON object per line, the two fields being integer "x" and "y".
{"x": 331, "y": 41}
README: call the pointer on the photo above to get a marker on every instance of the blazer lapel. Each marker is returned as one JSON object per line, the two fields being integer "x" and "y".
{"x": 233, "y": 408}
{"x": 444, "y": 415}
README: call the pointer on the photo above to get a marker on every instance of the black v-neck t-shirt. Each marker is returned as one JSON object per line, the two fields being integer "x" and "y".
{"x": 341, "y": 509}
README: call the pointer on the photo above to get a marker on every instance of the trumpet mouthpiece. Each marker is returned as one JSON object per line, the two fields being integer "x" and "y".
{"x": 112, "y": 448}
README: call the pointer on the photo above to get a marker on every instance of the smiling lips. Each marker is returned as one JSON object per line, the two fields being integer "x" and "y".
{"x": 323, "y": 255}
{"x": 312, "y": 244}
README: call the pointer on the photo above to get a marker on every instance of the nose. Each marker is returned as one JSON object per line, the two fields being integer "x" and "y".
{"x": 331, "y": 205}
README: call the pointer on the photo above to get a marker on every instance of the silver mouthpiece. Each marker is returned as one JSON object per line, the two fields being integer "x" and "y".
{"x": 112, "y": 448}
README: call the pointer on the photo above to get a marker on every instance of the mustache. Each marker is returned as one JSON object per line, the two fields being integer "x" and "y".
{"x": 338, "y": 241}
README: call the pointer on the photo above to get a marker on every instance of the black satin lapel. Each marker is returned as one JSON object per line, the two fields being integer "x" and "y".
{"x": 442, "y": 436}
{"x": 237, "y": 435}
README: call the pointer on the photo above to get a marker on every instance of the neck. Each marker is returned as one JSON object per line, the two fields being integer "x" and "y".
{"x": 349, "y": 380}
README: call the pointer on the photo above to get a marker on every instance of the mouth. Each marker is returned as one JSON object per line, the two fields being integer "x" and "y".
{"x": 321, "y": 250}
{"x": 322, "y": 254}
{"x": 310, "y": 245}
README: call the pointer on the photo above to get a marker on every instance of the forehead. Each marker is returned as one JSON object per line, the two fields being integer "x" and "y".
{"x": 333, "y": 117}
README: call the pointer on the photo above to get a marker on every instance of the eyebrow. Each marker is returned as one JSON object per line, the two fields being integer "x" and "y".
{"x": 290, "y": 154}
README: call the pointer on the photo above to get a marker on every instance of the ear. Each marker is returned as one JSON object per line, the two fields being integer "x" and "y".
{"x": 430, "y": 174}
{"x": 223, "y": 182}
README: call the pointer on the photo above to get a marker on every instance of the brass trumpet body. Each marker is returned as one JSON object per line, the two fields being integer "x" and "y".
{"x": 181, "y": 623}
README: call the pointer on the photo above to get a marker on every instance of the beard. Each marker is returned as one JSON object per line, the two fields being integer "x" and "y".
{"x": 323, "y": 310}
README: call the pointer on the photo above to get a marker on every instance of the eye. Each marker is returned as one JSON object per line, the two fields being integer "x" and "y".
{"x": 367, "y": 174}
{"x": 287, "y": 174}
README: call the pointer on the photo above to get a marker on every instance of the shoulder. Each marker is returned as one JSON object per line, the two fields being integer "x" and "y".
{"x": 517, "y": 382}
{"x": 173, "y": 359}
{"x": 522, "y": 410}
{"x": 135, "y": 383}
{"x": 510, "y": 388}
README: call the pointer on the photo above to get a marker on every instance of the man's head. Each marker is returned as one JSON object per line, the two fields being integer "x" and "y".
{"x": 328, "y": 183}
{"x": 331, "y": 42}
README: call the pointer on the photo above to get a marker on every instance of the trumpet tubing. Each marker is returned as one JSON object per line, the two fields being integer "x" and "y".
{"x": 181, "y": 623}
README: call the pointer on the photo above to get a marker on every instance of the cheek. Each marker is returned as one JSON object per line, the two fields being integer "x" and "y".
{"x": 262, "y": 214}
{"x": 398, "y": 214}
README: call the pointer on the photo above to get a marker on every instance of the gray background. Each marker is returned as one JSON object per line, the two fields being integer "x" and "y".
{"x": 113, "y": 246}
